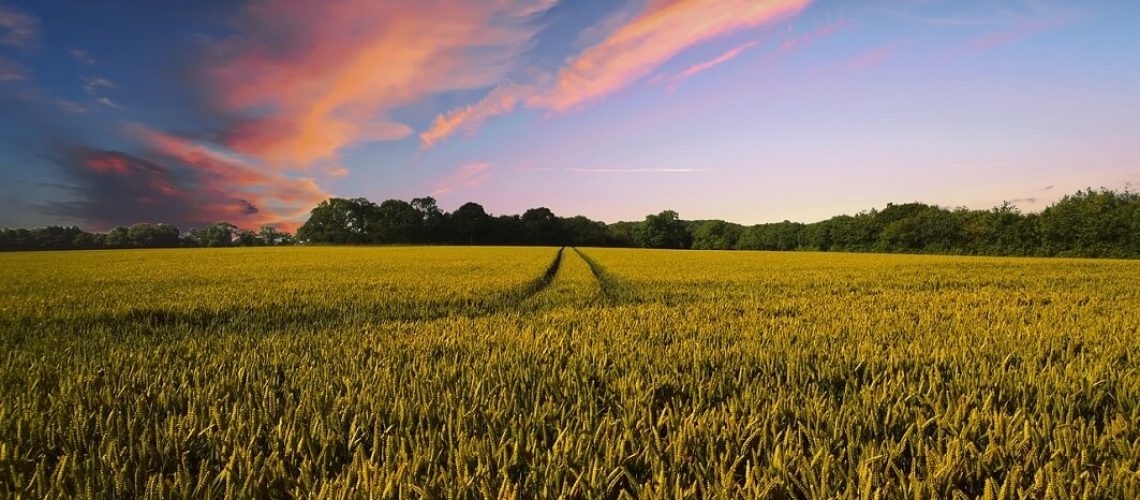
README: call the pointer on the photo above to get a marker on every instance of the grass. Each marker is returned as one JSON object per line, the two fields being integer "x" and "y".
{"x": 510, "y": 372}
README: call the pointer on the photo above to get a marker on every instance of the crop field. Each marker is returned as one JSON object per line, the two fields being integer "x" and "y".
{"x": 445, "y": 372}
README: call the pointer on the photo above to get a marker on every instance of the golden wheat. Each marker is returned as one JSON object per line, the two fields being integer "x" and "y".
{"x": 522, "y": 372}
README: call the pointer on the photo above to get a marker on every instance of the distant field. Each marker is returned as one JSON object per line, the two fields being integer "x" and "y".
{"x": 539, "y": 372}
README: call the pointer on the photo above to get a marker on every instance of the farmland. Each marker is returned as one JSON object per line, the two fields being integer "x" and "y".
{"x": 540, "y": 372}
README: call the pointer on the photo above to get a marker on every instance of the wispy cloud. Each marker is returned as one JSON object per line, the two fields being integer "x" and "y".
{"x": 655, "y": 36}
{"x": 82, "y": 57}
{"x": 70, "y": 106}
{"x": 18, "y": 28}
{"x": 622, "y": 170}
{"x": 11, "y": 71}
{"x": 305, "y": 78}
{"x": 467, "y": 176}
{"x": 106, "y": 101}
{"x": 869, "y": 58}
{"x": 226, "y": 186}
{"x": 503, "y": 99}
{"x": 1020, "y": 29}
{"x": 96, "y": 85}
{"x": 793, "y": 42}
{"x": 336, "y": 171}
{"x": 701, "y": 67}
{"x": 634, "y": 48}
{"x": 111, "y": 188}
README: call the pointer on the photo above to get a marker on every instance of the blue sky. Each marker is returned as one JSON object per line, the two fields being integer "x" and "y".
{"x": 750, "y": 111}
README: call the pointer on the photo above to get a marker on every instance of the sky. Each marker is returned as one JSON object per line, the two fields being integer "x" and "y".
{"x": 751, "y": 111}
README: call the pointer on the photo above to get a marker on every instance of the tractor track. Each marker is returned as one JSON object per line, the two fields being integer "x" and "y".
{"x": 611, "y": 289}
{"x": 543, "y": 281}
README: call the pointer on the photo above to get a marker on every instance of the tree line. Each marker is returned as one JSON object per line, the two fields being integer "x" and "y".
{"x": 1090, "y": 223}
{"x": 142, "y": 235}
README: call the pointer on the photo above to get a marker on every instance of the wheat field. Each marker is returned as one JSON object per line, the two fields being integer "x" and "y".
{"x": 442, "y": 372}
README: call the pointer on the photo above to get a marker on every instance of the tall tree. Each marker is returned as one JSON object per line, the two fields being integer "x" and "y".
{"x": 340, "y": 220}
{"x": 469, "y": 221}
{"x": 541, "y": 227}
{"x": 397, "y": 221}
{"x": 716, "y": 235}
{"x": 664, "y": 230}
{"x": 432, "y": 218}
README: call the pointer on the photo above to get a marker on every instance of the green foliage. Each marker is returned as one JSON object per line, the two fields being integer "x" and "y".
{"x": 716, "y": 235}
{"x": 780, "y": 236}
{"x": 219, "y": 234}
{"x": 340, "y": 220}
{"x": 664, "y": 230}
{"x": 1090, "y": 223}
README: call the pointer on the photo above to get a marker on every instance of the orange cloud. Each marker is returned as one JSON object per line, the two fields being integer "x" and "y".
{"x": 712, "y": 63}
{"x": 264, "y": 197}
{"x": 636, "y": 46}
{"x": 336, "y": 171}
{"x": 313, "y": 76}
{"x": 467, "y": 176}
{"x": 663, "y": 29}
{"x": 500, "y": 101}
{"x": 108, "y": 164}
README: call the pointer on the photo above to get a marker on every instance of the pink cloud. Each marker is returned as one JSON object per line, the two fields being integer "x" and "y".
{"x": 659, "y": 32}
{"x": 314, "y": 76}
{"x": 279, "y": 200}
{"x": 701, "y": 67}
{"x": 1022, "y": 30}
{"x": 797, "y": 42}
{"x": 1003, "y": 37}
{"x": 336, "y": 171}
{"x": 17, "y": 28}
{"x": 636, "y": 44}
{"x": 467, "y": 176}
{"x": 622, "y": 170}
{"x": 869, "y": 58}
{"x": 500, "y": 101}
{"x": 108, "y": 165}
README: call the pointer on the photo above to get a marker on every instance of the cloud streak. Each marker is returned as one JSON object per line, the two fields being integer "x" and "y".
{"x": 500, "y": 101}
{"x": 17, "y": 28}
{"x": 623, "y": 170}
{"x": 305, "y": 78}
{"x": 1022, "y": 29}
{"x": 280, "y": 199}
{"x": 870, "y": 58}
{"x": 82, "y": 57}
{"x": 798, "y": 42}
{"x": 655, "y": 36}
{"x": 632, "y": 49}
{"x": 10, "y": 71}
{"x": 468, "y": 176}
{"x": 180, "y": 182}
{"x": 701, "y": 67}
